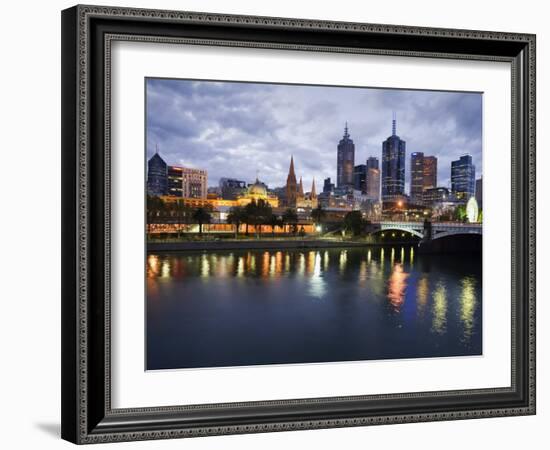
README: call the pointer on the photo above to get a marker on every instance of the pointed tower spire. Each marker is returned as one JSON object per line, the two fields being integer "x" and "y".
{"x": 313, "y": 193}
{"x": 291, "y": 185}
{"x": 394, "y": 124}
{"x": 301, "y": 188}
{"x": 291, "y": 169}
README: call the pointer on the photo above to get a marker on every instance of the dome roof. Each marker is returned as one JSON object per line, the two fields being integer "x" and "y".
{"x": 257, "y": 189}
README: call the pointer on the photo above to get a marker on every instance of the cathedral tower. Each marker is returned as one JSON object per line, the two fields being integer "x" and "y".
{"x": 291, "y": 188}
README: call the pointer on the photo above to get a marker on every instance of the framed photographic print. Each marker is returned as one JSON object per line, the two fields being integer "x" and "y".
{"x": 280, "y": 224}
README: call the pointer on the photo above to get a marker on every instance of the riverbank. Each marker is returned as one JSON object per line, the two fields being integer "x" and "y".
{"x": 154, "y": 247}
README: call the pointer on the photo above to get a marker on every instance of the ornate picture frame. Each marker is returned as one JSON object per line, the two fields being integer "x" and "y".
{"x": 87, "y": 35}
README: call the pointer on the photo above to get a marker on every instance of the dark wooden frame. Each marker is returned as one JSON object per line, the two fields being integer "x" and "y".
{"x": 87, "y": 32}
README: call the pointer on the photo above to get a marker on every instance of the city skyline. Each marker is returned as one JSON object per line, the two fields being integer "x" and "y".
{"x": 239, "y": 129}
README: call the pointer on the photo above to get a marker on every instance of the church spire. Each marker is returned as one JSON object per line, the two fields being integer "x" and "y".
{"x": 301, "y": 188}
{"x": 291, "y": 185}
{"x": 313, "y": 193}
{"x": 291, "y": 169}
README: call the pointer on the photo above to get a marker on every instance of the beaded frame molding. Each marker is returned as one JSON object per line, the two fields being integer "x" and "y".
{"x": 87, "y": 35}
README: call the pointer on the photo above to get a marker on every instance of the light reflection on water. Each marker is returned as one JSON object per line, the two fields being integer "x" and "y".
{"x": 439, "y": 324}
{"x": 397, "y": 286}
{"x": 468, "y": 303}
{"x": 387, "y": 302}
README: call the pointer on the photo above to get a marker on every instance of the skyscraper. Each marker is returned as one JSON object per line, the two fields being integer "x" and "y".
{"x": 393, "y": 166}
{"x": 157, "y": 176}
{"x": 360, "y": 178}
{"x": 417, "y": 177}
{"x": 372, "y": 162}
{"x": 423, "y": 175}
{"x": 463, "y": 178}
{"x": 430, "y": 172}
{"x": 291, "y": 187}
{"x": 373, "y": 184}
{"x": 345, "y": 160}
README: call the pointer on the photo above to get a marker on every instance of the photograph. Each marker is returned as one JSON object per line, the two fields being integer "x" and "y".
{"x": 299, "y": 224}
{"x": 272, "y": 222}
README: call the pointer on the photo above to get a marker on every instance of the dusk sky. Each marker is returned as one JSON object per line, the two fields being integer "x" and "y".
{"x": 238, "y": 129}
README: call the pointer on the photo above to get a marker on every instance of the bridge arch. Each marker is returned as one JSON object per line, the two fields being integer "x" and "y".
{"x": 398, "y": 228}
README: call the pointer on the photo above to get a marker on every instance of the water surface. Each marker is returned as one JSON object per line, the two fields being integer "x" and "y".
{"x": 254, "y": 307}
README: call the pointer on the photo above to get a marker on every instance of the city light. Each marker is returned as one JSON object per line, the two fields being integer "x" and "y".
{"x": 292, "y": 252}
{"x": 177, "y": 193}
{"x": 472, "y": 210}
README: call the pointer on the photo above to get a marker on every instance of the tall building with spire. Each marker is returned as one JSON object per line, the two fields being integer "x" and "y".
{"x": 345, "y": 160}
{"x": 291, "y": 187}
{"x": 393, "y": 166}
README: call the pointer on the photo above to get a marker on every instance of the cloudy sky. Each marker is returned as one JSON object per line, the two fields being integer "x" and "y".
{"x": 238, "y": 129}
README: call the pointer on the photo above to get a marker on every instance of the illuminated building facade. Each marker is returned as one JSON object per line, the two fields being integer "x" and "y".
{"x": 463, "y": 178}
{"x": 256, "y": 192}
{"x": 436, "y": 195}
{"x": 417, "y": 176}
{"x": 194, "y": 183}
{"x": 360, "y": 178}
{"x": 393, "y": 166}
{"x": 372, "y": 163}
{"x": 345, "y": 160}
{"x": 423, "y": 175}
{"x": 430, "y": 172}
{"x": 308, "y": 200}
{"x": 295, "y": 197}
{"x": 373, "y": 184}
{"x": 175, "y": 181}
{"x": 187, "y": 183}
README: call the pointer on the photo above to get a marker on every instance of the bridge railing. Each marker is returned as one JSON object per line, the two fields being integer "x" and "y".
{"x": 421, "y": 224}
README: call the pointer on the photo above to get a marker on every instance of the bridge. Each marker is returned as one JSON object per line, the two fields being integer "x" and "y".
{"x": 427, "y": 231}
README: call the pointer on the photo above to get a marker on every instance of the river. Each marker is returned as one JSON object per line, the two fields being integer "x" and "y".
{"x": 240, "y": 308}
